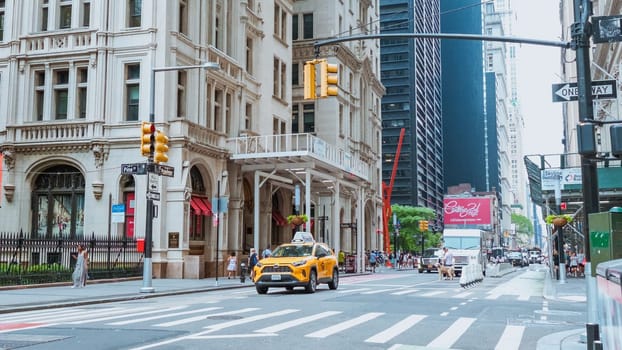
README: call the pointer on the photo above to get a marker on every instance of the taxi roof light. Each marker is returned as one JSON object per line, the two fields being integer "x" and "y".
{"x": 303, "y": 237}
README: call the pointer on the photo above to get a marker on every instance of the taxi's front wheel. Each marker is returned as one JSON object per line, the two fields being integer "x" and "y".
{"x": 312, "y": 284}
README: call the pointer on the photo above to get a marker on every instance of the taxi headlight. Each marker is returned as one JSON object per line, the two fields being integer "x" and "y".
{"x": 299, "y": 262}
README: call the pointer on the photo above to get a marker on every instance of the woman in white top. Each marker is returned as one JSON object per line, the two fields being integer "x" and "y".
{"x": 232, "y": 265}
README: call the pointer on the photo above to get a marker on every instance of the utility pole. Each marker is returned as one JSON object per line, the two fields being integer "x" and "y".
{"x": 581, "y": 32}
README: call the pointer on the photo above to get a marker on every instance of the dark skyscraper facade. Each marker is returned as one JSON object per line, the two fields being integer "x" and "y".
{"x": 411, "y": 74}
{"x": 464, "y": 102}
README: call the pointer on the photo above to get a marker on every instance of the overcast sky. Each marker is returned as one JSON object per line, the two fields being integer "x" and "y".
{"x": 538, "y": 68}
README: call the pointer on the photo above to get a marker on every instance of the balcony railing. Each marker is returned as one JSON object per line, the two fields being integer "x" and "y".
{"x": 47, "y": 42}
{"x": 51, "y": 132}
{"x": 270, "y": 146}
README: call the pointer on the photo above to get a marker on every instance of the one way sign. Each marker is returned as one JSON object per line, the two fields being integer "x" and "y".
{"x": 601, "y": 90}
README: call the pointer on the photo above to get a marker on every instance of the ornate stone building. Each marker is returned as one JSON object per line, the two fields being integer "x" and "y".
{"x": 77, "y": 79}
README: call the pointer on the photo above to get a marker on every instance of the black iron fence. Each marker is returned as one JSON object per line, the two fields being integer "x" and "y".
{"x": 27, "y": 259}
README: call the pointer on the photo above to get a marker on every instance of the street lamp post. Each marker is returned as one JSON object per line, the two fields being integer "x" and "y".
{"x": 147, "y": 266}
{"x": 218, "y": 211}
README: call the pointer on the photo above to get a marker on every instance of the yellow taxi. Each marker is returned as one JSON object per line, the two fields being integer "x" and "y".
{"x": 301, "y": 263}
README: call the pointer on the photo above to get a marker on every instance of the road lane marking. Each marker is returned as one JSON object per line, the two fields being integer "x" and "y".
{"x": 323, "y": 333}
{"x": 202, "y": 317}
{"x": 452, "y": 334}
{"x": 219, "y": 326}
{"x": 121, "y": 323}
{"x": 100, "y": 319}
{"x": 378, "y": 291}
{"x": 511, "y": 338}
{"x": 462, "y": 295}
{"x": 299, "y": 321}
{"x": 395, "y": 330}
{"x": 436, "y": 292}
{"x": 407, "y": 291}
{"x": 352, "y": 290}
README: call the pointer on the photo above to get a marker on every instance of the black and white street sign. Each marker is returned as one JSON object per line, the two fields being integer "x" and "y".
{"x": 601, "y": 90}
{"x": 165, "y": 170}
{"x": 134, "y": 168}
{"x": 154, "y": 183}
{"x": 153, "y": 196}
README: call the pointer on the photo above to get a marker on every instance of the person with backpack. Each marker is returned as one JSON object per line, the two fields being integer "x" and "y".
{"x": 252, "y": 261}
{"x": 372, "y": 261}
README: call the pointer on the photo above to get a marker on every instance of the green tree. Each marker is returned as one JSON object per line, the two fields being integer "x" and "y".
{"x": 523, "y": 224}
{"x": 409, "y": 234}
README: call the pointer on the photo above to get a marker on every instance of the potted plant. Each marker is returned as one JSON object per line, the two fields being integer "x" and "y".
{"x": 297, "y": 220}
{"x": 559, "y": 220}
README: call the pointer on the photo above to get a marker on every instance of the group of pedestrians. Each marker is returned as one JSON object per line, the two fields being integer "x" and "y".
{"x": 232, "y": 262}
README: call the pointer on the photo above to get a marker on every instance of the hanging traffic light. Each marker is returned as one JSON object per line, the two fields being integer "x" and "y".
{"x": 328, "y": 79}
{"x": 160, "y": 148}
{"x": 147, "y": 131}
{"x": 309, "y": 81}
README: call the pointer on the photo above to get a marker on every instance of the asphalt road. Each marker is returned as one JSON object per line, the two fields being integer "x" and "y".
{"x": 395, "y": 310}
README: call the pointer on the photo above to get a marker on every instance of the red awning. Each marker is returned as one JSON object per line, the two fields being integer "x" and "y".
{"x": 208, "y": 206}
{"x": 278, "y": 218}
{"x": 201, "y": 206}
{"x": 194, "y": 203}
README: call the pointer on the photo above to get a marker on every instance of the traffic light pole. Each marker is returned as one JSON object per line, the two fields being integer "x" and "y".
{"x": 581, "y": 32}
{"x": 147, "y": 264}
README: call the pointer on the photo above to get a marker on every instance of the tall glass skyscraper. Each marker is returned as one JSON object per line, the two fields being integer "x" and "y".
{"x": 411, "y": 73}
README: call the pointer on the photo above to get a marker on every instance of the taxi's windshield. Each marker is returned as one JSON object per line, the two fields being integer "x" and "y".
{"x": 292, "y": 251}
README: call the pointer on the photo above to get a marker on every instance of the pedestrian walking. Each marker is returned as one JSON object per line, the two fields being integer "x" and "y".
{"x": 266, "y": 253}
{"x": 372, "y": 261}
{"x": 252, "y": 261}
{"x": 80, "y": 273}
{"x": 232, "y": 265}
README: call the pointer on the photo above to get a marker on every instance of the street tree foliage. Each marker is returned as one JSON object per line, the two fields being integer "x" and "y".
{"x": 523, "y": 224}
{"x": 409, "y": 239}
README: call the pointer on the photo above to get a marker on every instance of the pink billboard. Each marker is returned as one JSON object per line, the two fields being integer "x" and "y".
{"x": 467, "y": 211}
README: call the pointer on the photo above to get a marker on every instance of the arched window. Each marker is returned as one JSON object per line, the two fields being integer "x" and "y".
{"x": 201, "y": 208}
{"x": 58, "y": 202}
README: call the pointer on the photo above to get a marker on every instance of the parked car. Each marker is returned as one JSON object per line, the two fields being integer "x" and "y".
{"x": 534, "y": 256}
{"x": 301, "y": 263}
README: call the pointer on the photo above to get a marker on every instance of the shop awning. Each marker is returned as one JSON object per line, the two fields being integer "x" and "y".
{"x": 278, "y": 218}
{"x": 201, "y": 206}
{"x": 206, "y": 206}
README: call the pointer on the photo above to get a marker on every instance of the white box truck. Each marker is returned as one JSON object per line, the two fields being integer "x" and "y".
{"x": 466, "y": 246}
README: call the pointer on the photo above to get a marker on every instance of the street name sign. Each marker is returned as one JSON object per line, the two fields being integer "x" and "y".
{"x": 601, "y": 90}
{"x": 134, "y": 168}
{"x": 165, "y": 170}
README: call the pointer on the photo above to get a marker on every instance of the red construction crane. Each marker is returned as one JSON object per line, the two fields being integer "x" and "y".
{"x": 386, "y": 196}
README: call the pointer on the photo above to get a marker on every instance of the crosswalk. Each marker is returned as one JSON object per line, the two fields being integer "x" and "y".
{"x": 209, "y": 322}
{"x": 447, "y": 293}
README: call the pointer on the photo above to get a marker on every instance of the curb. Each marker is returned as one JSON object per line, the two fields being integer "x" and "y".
{"x": 560, "y": 340}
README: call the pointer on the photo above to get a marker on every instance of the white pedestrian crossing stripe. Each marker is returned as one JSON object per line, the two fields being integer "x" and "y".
{"x": 320, "y": 325}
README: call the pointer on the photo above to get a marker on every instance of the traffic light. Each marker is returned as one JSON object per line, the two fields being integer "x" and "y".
{"x": 309, "y": 81}
{"x": 147, "y": 131}
{"x": 160, "y": 148}
{"x": 328, "y": 79}
{"x": 425, "y": 225}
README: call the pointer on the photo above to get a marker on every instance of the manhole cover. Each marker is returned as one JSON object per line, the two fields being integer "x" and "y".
{"x": 224, "y": 317}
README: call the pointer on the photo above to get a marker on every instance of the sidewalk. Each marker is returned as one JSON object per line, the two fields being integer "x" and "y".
{"x": 574, "y": 290}
{"x": 60, "y": 295}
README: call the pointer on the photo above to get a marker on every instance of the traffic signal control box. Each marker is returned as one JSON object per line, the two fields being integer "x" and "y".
{"x": 605, "y": 238}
